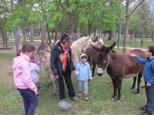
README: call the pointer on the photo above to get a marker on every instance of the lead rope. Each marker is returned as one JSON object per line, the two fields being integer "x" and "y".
{"x": 107, "y": 62}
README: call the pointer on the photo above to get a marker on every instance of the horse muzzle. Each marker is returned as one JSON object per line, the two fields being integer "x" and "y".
{"x": 100, "y": 72}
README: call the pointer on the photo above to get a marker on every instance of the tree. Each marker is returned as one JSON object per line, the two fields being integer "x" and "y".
{"x": 131, "y": 6}
{"x": 3, "y": 18}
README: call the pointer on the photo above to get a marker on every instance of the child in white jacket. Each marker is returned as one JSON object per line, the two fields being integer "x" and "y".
{"x": 84, "y": 74}
{"x": 34, "y": 71}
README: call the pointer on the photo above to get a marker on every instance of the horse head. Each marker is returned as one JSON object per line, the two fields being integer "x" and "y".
{"x": 103, "y": 59}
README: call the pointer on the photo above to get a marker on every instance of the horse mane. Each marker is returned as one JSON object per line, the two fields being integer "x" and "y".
{"x": 97, "y": 48}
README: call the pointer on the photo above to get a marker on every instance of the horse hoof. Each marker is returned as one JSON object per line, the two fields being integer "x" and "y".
{"x": 54, "y": 94}
{"x": 137, "y": 94}
{"x": 132, "y": 90}
{"x": 118, "y": 101}
{"x": 113, "y": 99}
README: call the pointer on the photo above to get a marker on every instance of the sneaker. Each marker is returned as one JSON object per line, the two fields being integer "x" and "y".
{"x": 144, "y": 113}
{"x": 74, "y": 99}
{"x": 86, "y": 98}
{"x": 143, "y": 108}
{"x": 79, "y": 94}
{"x": 64, "y": 105}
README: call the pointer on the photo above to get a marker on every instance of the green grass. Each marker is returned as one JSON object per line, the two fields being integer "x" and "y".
{"x": 100, "y": 91}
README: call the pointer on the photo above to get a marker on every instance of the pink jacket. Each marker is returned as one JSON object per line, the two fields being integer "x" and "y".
{"x": 21, "y": 73}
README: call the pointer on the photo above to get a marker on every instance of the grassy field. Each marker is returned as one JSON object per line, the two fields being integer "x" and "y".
{"x": 100, "y": 90}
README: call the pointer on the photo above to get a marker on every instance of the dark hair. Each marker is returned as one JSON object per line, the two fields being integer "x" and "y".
{"x": 28, "y": 47}
{"x": 151, "y": 49}
{"x": 64, "y": 38}
{"x": 18, "y": 53}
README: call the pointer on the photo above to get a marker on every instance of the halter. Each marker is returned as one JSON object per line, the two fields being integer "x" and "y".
{"x": 107, "y": 62}
{"x": 100, "y": 69}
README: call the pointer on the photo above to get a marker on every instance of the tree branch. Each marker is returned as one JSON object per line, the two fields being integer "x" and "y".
{"x": 131, "y": 1}
{"x": 136, "y": 7}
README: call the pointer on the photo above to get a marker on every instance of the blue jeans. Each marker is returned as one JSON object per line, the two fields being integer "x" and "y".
{"x": 30, "y": 101}
{"x": 150, "y": 100}
{"x": 83, "y": 86}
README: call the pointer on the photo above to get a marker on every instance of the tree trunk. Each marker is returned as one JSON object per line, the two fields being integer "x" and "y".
{"x": 126, "y": 26}
{"x": 119, "y": 35}
{"x": 110, "y": 35}
{"x": 71, "y": 25}
{"x": 89, "y": 29}
{"x": 18, "y": 36}
{"x": 32, "y": 33}
{"x": 5, "y": 39}
{"x": 125, "y": 36}
{"x": 48, "y": 33}
{"x": 43, "y": 33}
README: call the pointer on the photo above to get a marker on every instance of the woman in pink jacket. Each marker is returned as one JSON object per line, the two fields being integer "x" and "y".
{"x": 22, "y": 78}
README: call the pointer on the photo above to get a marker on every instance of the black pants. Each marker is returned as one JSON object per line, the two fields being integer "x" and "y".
{"x": 150, "y": 99}
{"x": 67, "y": 76}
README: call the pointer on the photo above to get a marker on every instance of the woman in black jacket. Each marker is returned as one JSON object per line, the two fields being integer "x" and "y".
{"x": 62, "y": 66}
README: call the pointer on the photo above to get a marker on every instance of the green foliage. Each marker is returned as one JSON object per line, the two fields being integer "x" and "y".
{"x": 56, "y": 19}
{"x": 15, "y": 19}
{"x": 34, "y": 17}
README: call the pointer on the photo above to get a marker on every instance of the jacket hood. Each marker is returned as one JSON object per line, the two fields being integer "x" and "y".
{"x": 83, "y": 55}
{"x": 17, "y": 61}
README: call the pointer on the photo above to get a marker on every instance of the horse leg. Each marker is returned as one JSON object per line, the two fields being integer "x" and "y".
{"x": 134, "y": 83}
{"x": 52, "y": 81}
{"x": 119, "y": 83}
{"x": 139, "y": 82}
{"x": 93, "y": 70}
{"x": 114, "y": 88}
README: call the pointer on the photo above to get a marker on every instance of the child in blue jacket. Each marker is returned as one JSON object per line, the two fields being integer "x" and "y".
{"x": 148, "y": 78}
{"x": 84, "y": 74}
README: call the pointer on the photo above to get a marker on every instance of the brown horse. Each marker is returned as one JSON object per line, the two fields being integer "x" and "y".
{"x": 119, "y": 66}
{"x": 92, "y": 54}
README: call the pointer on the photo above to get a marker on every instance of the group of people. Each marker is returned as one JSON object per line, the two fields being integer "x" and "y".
{"x": 26, "y": 70}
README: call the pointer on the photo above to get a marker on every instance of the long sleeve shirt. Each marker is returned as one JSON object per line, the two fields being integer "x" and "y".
{"x": 21, "y": 73}
{"x": 148, "y": 68}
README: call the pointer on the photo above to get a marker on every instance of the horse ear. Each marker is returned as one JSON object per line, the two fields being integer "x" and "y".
{"x": 110, "y": 47}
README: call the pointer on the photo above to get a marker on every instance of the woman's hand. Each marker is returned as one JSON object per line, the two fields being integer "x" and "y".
{"x": 148, "y": 84}
{"x": 73, "y": 73}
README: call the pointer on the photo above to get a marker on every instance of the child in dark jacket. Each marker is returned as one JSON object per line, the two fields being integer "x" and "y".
{"x": 148, "y": 78}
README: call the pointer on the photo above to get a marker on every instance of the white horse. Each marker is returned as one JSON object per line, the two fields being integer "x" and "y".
{"x": 78, "y": 46}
